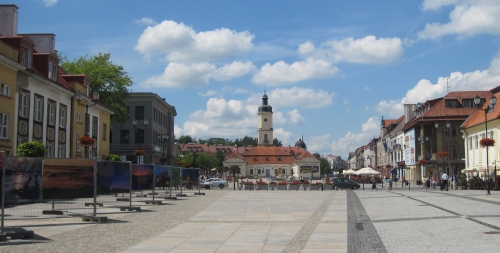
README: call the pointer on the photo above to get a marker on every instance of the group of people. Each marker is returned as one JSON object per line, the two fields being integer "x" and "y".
{"x": 431, "y": 182}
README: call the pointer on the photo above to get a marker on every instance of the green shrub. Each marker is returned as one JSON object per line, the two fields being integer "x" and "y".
{"x": 113, "y": 157}
{"x": 31, "y": 149}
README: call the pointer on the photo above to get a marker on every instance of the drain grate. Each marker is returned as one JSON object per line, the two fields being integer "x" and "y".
{"x": 359, "y": 226}
{"x": 493, "y": 233}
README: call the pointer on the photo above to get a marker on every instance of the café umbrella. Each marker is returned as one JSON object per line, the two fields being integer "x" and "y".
{"x": 366, "y": 171}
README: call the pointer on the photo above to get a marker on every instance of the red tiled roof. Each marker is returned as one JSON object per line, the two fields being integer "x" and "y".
{"x": 479, "y": 117}
{"x": 439, "y": 111}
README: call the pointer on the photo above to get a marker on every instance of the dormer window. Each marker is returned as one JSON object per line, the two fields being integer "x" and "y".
{"x": 255, "y": 159}
{"x": 52, "y": 71}
{"x": 267, "y": 159}
{"x": 451, "y": 103}
{"x": 29, "y": 57}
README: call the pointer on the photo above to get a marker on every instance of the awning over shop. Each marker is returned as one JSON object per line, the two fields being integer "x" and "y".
{"x": 393, "y": 171}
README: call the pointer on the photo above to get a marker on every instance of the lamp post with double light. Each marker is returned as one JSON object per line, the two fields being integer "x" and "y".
{"x": 95, "y": 96}
{"x": 141, "y": 130}
{"x": 477, "y": 102}
{"x": 448, "y": 137}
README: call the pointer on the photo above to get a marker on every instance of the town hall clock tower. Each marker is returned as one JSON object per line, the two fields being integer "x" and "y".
{"x": 265, "y": 118}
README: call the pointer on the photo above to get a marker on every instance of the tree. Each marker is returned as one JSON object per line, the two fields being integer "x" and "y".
{"x": 110, "y": 80}
{"x": 206, "y": 161}
{"x": 325, "y": 167}
{"x": 185, "y": 139}
{"x": 31, "y": 149}
{"x": 277, "y": 142}
{"x": 220, "y": 158}
{"x": 246, "y": 141}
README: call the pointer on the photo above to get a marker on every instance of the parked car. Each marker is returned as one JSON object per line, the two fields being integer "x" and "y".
{"x": 344, "y": 183}
{"x": 216, "y": 182}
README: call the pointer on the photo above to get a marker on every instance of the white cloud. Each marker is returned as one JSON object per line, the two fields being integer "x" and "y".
{"x": 468, "y": 18}
{"x": 178, "y": 75}
{"x": 281, "y": 73}
{"x": 425, "y": 90}
{"x": 182, "y": 44}
{"x": 282, "y": 135}
{"x": 436, "y": 4}
{"x": 50, "y": 2}
{"x": 296, "y": 97}
{"x": 207, "y": 93}
{"x": 146, "y": 21}
{"x": 367, "y": 50}
{"x": 235, "y": 119}
{"x": 233, "y": 70}
{"x": 352, "y": 140}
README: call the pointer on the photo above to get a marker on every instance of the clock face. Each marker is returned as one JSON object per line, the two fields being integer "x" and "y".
{"x": 265, "y": 119}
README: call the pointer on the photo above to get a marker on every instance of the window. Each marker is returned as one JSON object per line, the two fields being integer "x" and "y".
{"x": 51, "y": 110}
{"x": 470, "y": 143}
{"x": 50, "y": 149}
{"x": 62, "y": 117}
{"x": 5, "y": 90}
{"x": 468, "y": 103}
{"x": 139, "y": 136}
{"x": 23, "y": 56}
{"x": 453, "y": 130}
{"x": 78, "y": 117}
{"x": 29, "y": 56}
{"x": 251, "y": 171}
{"x": 23, "y": 105}
{"x": 104, "y": 130}
{"x": 38, "y": 109}
{"x": 50, "y": 70}
{"x": 490, "y": 134}
{"x": 61, "y": 151}
{"x": 94, "y": 127}
{"x": 124, "y": 136}
{"x": 476, "y": 141}
{"x": 451, "y": 103}
{"x": 4, "y": 125}
{"x": 78, "y": 141}
{"x": 139, "y": 112}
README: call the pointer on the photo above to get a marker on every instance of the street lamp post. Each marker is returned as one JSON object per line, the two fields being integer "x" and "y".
{"x": 448, "y": 137}
{"x": 134, "y": 123}
{"x": 477, "y": 101}
{"x": 95, "y": 96}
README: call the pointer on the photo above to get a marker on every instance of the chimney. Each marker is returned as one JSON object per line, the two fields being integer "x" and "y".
{"x": 8, "y": 19}
{"x": 44, "y": 42}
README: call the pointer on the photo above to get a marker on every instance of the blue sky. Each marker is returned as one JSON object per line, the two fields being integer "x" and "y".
{"x": 331, "y": 69}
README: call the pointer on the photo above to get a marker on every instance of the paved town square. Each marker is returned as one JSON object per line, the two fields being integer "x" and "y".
{"x": 400, "y": 220}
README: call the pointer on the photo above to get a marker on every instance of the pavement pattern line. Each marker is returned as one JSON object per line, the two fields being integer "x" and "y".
{"x": 300, "y": 239}
{"x": 469, "y": 198}
{"x": 361, "y": 234}
{"x": 455, "y": 213}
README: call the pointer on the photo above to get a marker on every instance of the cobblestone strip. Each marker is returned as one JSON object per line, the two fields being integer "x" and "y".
{"x": 300, "y": 240}
{"x": 361, "y": 234}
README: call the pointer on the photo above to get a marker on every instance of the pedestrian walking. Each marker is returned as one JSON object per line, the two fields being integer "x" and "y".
{"x": 374, "y": 184}
{"x": 455, "y": 182}
{"x": 427, "y": 183}
{"x": 424, "y": 185}
{"x": 389, "y": 185}
{"x": 444, "y": 183}
{"x": 403, "y": 181}
{"x": 433, "y": 182}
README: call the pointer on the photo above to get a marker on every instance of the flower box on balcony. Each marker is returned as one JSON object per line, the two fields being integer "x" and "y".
{"x": 487, "y": 142}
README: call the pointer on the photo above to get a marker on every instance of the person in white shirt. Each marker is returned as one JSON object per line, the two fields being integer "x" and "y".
{"x": 444, "y": 181}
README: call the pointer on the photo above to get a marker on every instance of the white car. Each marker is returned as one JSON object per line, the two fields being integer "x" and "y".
{"x": 216, "y": 182}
